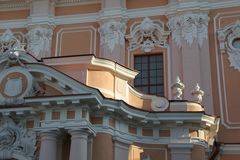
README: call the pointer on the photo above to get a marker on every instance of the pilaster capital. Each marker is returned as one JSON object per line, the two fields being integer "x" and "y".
{"x": 189, "y": 27}
{"x": 39, "y": 40}
{"x": 112, "y": 32}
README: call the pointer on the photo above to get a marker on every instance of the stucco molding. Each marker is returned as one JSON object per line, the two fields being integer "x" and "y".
{"x": 69, "y": 30}
{"x": 16, "y": 140}
{"x": 112, "y": 33}
{"x": 189, "y": 27}
{"x": 39, "y": 41}
{"x": 131, "y": 13}
{"x": 230, "y": 149}
{"x": 229, "y": 41}
{"x": 147, "y": 35}
{"x": 8, "y": 41}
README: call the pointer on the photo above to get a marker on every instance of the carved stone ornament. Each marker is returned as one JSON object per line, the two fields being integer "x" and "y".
{"x": 229, "y": 41}
{"x": 16, "y": 83}
{"x": 16, "y": 142}
{"x": 197, "y": 94}
{"x": 9, "y": 42}
{"x": 177, "y": 89}
{"x": 159, "y": 104}
{"x": 189, "y": 27}
{"x": 112, "y": 33}
{"x": 39, "y": 41}
{"x": 147, "y": 35}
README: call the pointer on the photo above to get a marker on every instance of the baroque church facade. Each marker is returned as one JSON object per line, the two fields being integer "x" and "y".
{"x": 119, "y": 79}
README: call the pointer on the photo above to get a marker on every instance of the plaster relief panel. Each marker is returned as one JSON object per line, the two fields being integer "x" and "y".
{"x": 16, "y": 142}
{"x": 39, "y": 41}
{"x": 10, "y": 41}
{"x": 147, "y": 35}
{"x": 189, "y": 27}
{"x": 75, "y": 41}
{"x": 229, "y": 42}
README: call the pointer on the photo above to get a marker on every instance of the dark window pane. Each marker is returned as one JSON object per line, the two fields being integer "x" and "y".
{"x": 150, "y": 77}
{"x": 153, "y": 81}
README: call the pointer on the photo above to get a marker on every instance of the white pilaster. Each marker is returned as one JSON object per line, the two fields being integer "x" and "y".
{"x": 190, "y": 57}
{"x": 79, "y": 145}
{"x": 40, "y": 28}
{"x": 112, "y": 30}
{"x": 48, "y": 150}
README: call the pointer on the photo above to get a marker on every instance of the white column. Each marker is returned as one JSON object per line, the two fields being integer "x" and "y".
{"x": 48, "y": 150}
{"x": 121, "y": 150}
{"x": 60, "y": 143}
{"x": 181, "y": 151}
{"x": 79, "y": 145}
{"x": 90, "y": 145}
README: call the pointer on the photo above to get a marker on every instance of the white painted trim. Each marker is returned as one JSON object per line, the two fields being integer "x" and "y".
{"x": 65, "y": 3}
{"x": 65, "y": 30}
{"x": 131, "y": 13}
{"x": 220, "y": 71}
{"x": 230, "y": 149}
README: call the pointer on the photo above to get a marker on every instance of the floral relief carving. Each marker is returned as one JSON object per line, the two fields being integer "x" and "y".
{"x": 147, "y": 35}
{"x": 39, "y": 41}
{"x": 112, "y": 33}
{"x": 229, "y": 41}
{"x": 189, "y": 27}
{"x": 15, "y": 139}
{"x": 8, "y": 41}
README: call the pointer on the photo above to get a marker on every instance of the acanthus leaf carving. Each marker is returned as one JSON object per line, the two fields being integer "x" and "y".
{"x": 189, "y": 27}
{"x": 8, "y": 41}
{"x": 16, "y": 139}
{"x": 229, "y": 41}
{"x": 39, "y": 41}
{"x": 112, "y": 33}
{"x": 147, "y": 35}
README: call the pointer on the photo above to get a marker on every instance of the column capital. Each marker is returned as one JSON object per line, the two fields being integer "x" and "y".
{"x": 189, "y": 27}
{"x": 49, "y": 134}
{"x": 40, "y": 40}
{"x": 112, "y": 32}
{"x": 79, "y": 134}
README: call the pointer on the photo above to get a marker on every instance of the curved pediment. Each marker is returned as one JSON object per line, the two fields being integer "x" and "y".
{"x": 23, "y": 76}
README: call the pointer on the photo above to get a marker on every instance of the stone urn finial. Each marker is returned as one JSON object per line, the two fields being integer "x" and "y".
{"x": 197, "y": 94}
{"x": 177, "y": 89}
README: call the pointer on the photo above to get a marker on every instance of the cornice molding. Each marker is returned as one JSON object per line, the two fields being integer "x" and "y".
{"x": 230, "y": 149}
{"x": 63, "y": 3}
{"x": 131, "y": 13}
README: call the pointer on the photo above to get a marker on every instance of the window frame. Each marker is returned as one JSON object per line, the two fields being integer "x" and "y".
{"x": 157, "y": 84}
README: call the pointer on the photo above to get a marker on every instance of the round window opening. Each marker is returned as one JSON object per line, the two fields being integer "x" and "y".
{"x": 236, "y": 43}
